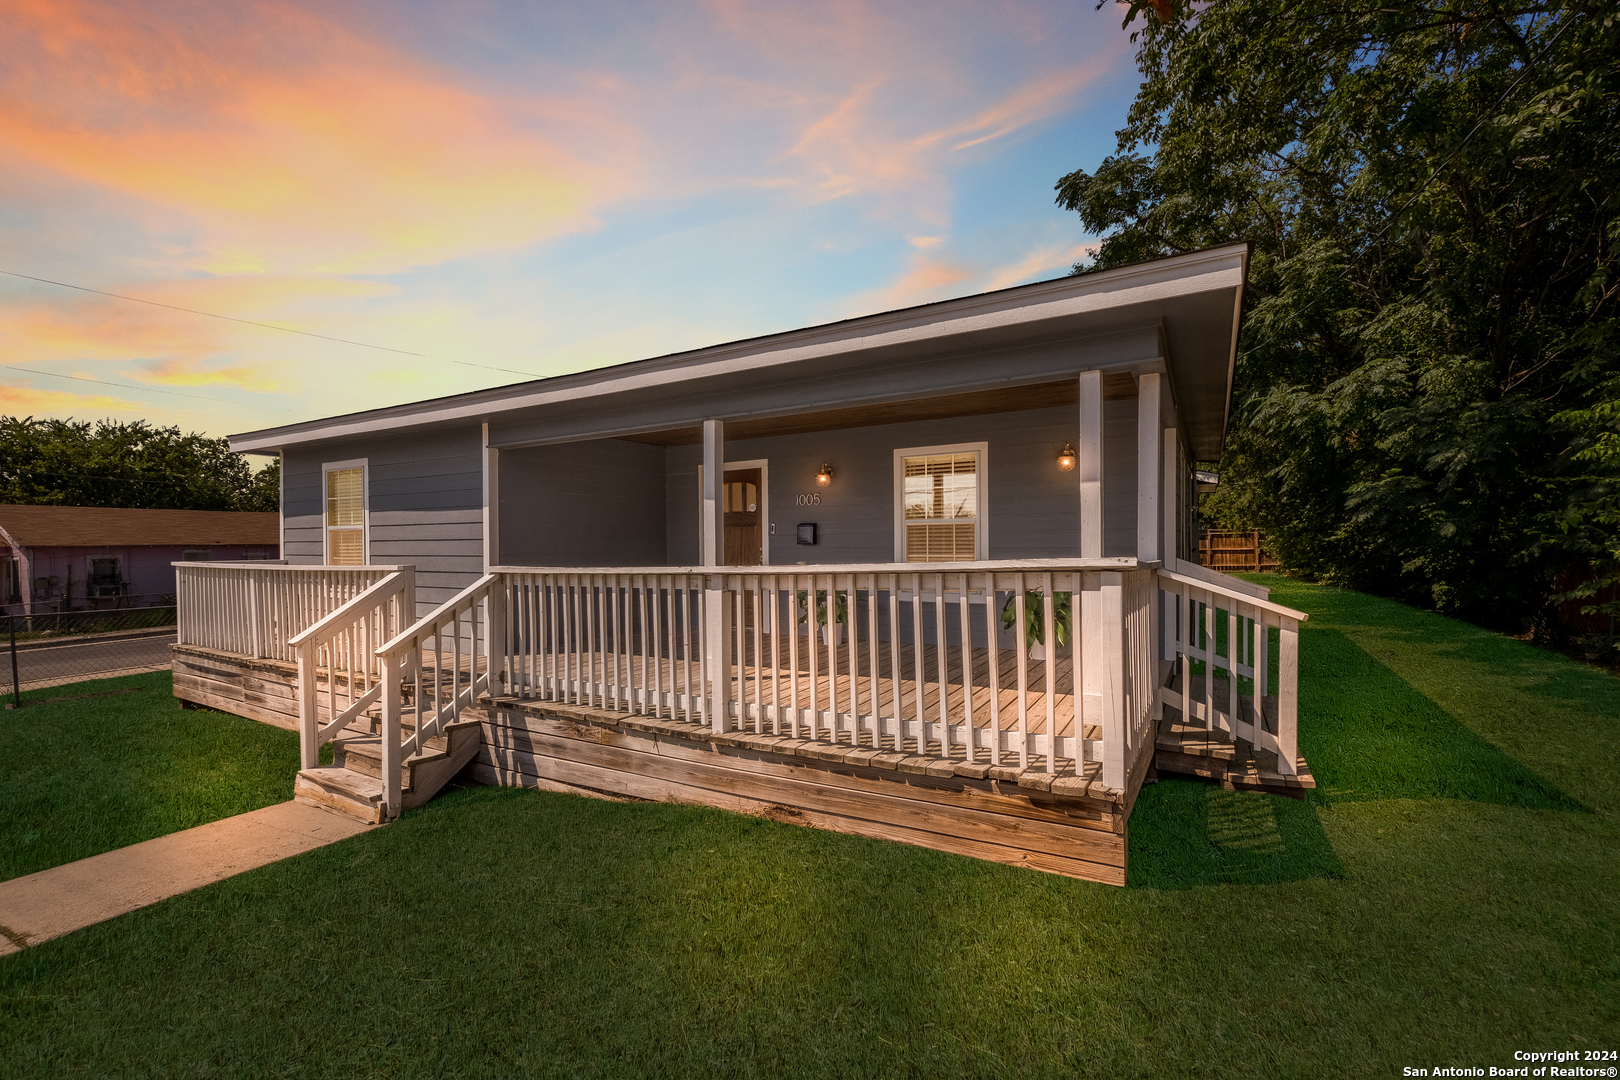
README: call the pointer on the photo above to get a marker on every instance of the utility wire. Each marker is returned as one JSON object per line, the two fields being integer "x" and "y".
{"x": 126, "y": 386}
{"x": 262, "y": 325}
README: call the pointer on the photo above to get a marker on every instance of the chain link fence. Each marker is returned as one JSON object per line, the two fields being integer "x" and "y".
{"x": 64, "y": 647}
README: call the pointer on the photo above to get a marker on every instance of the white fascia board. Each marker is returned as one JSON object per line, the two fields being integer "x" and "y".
{"x": 1063, "y": 298}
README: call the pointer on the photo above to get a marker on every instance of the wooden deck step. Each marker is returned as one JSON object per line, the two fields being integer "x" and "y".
{"x": 424, "y": 773}
{"x": 1194, "y": 751}
{"x": 343, "y": 790}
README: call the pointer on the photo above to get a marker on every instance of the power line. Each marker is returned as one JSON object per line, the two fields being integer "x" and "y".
{"x": 126, "y": 386}
{"x": 262, "y": 325}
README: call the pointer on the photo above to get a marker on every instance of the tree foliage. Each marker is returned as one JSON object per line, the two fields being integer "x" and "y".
{"x": 1427, "y": 384}
{"x": 110, "y": 463}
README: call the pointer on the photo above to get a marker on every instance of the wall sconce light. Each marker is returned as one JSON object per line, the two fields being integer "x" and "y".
{"x": 824, "y": 477}
{"x": 1066, "y": 458}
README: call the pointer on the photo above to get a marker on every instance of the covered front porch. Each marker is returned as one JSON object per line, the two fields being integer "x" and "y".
{"x": 946, "y": 549}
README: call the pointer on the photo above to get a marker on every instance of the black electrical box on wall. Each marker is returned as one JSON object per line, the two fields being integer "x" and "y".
{"x": 807, "y": 532}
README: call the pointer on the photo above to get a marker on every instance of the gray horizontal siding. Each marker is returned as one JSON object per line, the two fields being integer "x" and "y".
{"x": 426, "y": 506}
{"x": 598, "y": 503}
{"x": 1034, "y": 509}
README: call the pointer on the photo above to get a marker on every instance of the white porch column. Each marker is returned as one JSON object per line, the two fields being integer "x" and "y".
{"x": 1091, "y": 465}
{"x": 1174, "y": 611}
{"x": 1172, "y": 497}
{"x": 712, "y": 523}
{"x": 1094, "y": 659}
{"x": 494, "y": 615}
{"x": 492, "y": 504}
{"x": 716, "y": 606}
{"x": 1149, "y": 421}
{"x": 1116, "y": 750}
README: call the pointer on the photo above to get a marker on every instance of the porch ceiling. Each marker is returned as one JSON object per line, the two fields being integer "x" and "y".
{"x": 1117, "y": 386}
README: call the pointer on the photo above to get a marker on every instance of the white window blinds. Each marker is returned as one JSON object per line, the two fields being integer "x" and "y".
{"x": 345, "y": 517}
{"x": 941, "y": 493}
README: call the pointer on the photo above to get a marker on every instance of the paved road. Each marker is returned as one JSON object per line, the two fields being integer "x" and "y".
{"x": 54, "y": 664}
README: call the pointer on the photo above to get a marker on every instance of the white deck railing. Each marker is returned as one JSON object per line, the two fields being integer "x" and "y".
{"x": 342, "y": 649}
{"x": 444, "y": 661}
{"x": 255, "y": 608}
{"x": 1261, "y": 646}
{"x": 963, "y": 660}
{"x": 1045, "y": 665}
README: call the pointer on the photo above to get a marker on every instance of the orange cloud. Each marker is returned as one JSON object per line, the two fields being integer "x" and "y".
{"x": 190, "y": 373}
{"x": 1032, "y": 102}
{"x": 850, "y": 151}
{"x": 27, "y": 401}
{"x": 922, "y": 282}
{"x": 295, "y": 144}
{"x": 1057, "y": 259}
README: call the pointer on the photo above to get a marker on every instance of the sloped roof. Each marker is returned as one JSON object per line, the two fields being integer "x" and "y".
{"x": 1187, "y": 306}
{"x": 103, "y": 526}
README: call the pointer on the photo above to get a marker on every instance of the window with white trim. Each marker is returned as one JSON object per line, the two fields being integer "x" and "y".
{"x": 345, "y": 513}
{"x": 940, "y": 503}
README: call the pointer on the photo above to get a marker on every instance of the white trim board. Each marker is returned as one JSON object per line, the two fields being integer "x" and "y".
{"x": 981, "y": 524}
{"x": 363, "y": 464}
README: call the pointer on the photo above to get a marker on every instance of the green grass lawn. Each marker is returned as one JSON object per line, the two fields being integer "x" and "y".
{"x": 82, "y": 777}
{"x": 1448, "y": 896}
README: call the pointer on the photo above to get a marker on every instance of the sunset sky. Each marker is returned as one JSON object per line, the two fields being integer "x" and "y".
{"x": 535, "y": 187}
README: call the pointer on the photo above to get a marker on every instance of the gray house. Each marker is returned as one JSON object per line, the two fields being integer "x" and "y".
{"x": 947, "y": 547}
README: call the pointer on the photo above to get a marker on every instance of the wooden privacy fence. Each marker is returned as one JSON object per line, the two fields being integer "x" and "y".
{"x": 254, "y": 609}
{"x": 1229, "y": 550}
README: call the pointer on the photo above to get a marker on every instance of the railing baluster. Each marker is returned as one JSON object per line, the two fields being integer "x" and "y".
{"x": 1021, "y": 643}
{"x": 896, "y": 675}
{"x": 941, "y": 658}
{"x": 1049, "y": 650}
{"x": 793, "y": 649}
{"x": 992, "y": 637}
{"x": 964, "y": 619}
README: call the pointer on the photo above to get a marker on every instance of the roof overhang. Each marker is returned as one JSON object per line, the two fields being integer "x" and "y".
{"x": 1178, "y": 314}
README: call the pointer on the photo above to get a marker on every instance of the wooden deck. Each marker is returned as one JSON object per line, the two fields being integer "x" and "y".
{"x": 780, "y": 680}
{"x": 1010, "y": 810}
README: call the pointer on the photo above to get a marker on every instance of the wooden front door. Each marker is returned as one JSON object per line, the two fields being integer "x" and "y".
{"x": 744, "y": 514}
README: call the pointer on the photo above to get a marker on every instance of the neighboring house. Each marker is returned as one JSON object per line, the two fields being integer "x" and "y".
{"x": 59, "y": 558}
{"x": 806, "y": 575}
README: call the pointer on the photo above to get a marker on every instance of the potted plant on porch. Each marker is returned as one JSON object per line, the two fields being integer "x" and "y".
{"x": 830, "y": 635}
{"x": 1035, "y": 620}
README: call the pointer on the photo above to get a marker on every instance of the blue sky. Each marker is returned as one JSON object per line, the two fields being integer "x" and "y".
{"x": 540, "y": 188}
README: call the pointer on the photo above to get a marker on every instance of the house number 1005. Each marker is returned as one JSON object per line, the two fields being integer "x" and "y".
{"x": 812, "y": 499}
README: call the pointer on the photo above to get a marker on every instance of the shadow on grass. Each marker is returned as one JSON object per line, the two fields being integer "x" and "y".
{"x": 1186, "y": 834}
{"x": 1369, "y": 734}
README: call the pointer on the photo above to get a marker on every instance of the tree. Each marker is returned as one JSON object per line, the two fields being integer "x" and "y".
{"x": 1425, "y": 399}
{"x": 110, "y": 463}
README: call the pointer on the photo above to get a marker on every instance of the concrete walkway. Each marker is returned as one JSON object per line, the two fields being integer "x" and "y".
{"x": 62, "y": 899}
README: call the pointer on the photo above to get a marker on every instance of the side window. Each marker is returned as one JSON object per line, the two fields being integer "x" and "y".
{"x": 940, "y": 515}
{"x": 345, "y": 514}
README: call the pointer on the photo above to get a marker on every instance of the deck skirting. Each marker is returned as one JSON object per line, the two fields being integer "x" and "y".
{"x": 263, "y": 690}
{"x": 1006, "y": 815}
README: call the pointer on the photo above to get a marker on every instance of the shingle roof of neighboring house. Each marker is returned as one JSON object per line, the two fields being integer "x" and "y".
{"x": 102, "y": 526}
